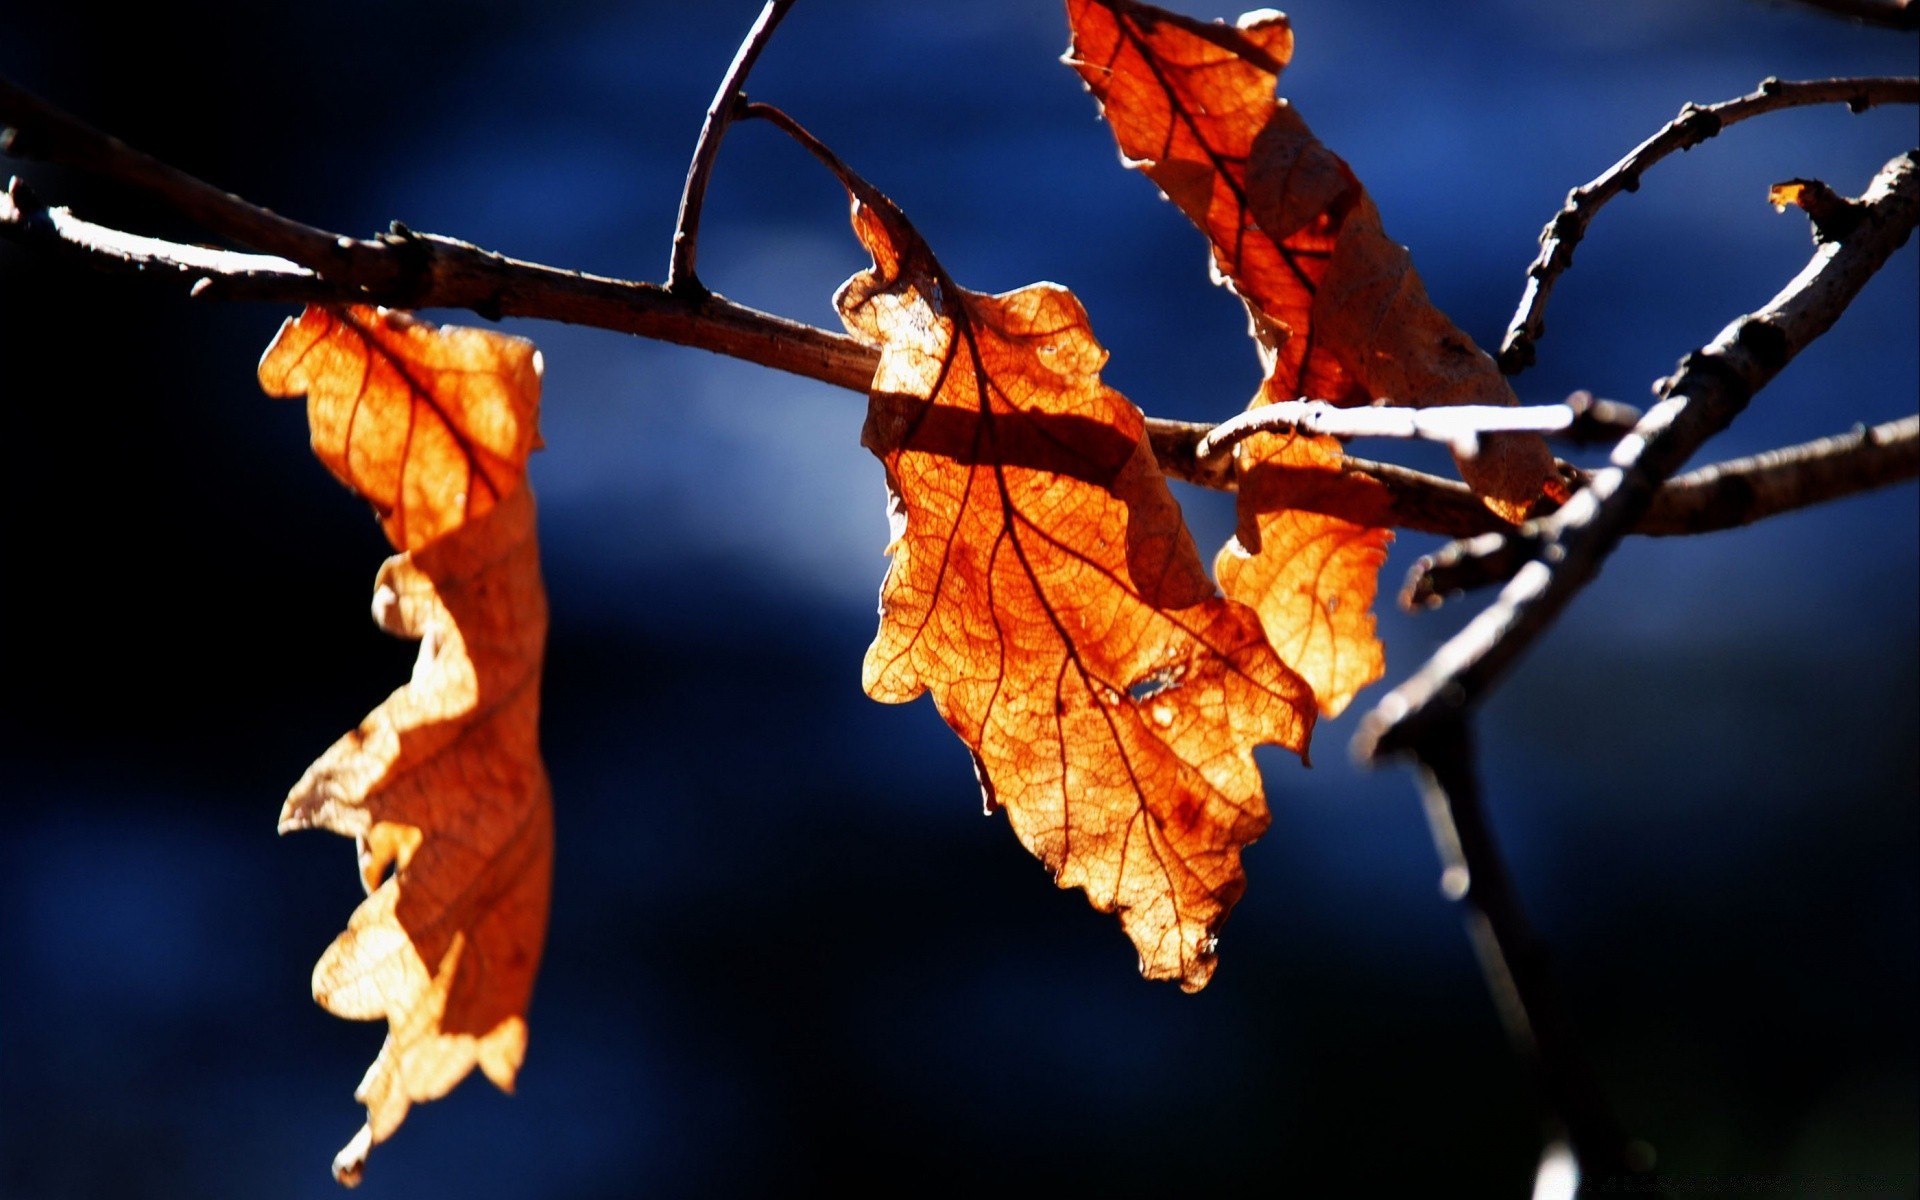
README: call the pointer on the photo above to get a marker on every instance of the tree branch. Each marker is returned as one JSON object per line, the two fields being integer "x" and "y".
{"x": 1893, "y": 14}
{"x": 32, "y": 128}
{"x": 1731, "y": 494}
{"x": 1581, "y": 419}
{"x": 457, "y": 275}
{"x": 720, "y": 113}
{"x": 405, "y": 269}
{"x": 1512, "y": 957}
{"x": 1711, "y": 388}
{"x": 1722, "y": 496}
{"x": 1694, "y": 125}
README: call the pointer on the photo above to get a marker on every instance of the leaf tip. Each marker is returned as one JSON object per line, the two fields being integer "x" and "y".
{"x": 350, "y": 1165}
{"x": 501, "y": 1051}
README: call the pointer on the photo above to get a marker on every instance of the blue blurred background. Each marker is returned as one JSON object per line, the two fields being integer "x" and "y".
{"x": 786, "y": 948}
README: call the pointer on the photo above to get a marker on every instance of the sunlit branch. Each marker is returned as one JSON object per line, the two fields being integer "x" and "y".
{"x": 1694, "y": 125}
{"x": 1460, "y": 427}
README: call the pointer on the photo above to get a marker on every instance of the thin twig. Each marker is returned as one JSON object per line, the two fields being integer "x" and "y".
{"x": 442, "y": 272}
{"x": 1711, "y": 388}
{"x": 1512, "y": 957}
{"x": 1722, "y": 496}
{"x": 32, "y": 128}
{"x": 1892, "y": 14}
{"x": 681, "y": 279}
{"x": 1694, "y": 125}
{"x": 23, "y": 211}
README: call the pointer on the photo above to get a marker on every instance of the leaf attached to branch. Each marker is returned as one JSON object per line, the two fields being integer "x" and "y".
{"x": 442, "y": 786}
{"x": 1311, "y": 575}
{"x": 1337, "y": 309}
{"x": 1045, "y": 589}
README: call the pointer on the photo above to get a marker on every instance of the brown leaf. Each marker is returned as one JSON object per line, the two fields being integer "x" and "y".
{"x": 442, "y": 786}
{"x": 1044, "y": 588}
{"x": 1337, "y": 309}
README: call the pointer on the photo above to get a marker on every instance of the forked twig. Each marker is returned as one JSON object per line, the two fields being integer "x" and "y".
{"x": 1711, "y": 388}
{"x": 1722, "y": 496}
{"x": 681, "y": 279}
{"x": 1694, "y": 125}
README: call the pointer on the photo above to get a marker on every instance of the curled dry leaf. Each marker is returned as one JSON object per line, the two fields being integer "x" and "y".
{"x": 442, "y": 786}
{"x": 1045, "y": 589}
{"x": 1337, "y": 309}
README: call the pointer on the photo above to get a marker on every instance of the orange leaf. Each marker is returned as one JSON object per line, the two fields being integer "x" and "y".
{"x": 1337, "y": 310}
{"x": 1045, "y": 589}
{"x": 432, "y": 425}
{"x": 1311, "y": 575}
{"x": 442, "y": 786}
{"x": 1793, "y": 191}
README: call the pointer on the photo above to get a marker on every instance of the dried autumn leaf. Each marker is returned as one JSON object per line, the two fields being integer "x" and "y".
{"x": 1314, "y": 576}
{"x": 1793, "y": 191}
{"x": 1045, "y": 590}
{"x": 1337, "y": 309}
{"x": 442, "y": 786}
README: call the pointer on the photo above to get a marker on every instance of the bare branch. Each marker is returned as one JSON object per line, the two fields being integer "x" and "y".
{"x": 726, "y": 101}
{"x": 1893, "y": 14}
{"x": 1722, "y": 496}
{"x": 1511, "y": 955}
{"x": 457, "y": 275}
{"x": 1730, "y": 494}
{"x": 31, "y": 220}
{"x": 1711, "y": 388}
{"x": 1694, "y": 125}
{"x": 32, "y": 128}
{"x": 440, "y": 272}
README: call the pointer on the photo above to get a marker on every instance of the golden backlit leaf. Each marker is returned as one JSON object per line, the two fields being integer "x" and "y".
{"x": 1312, "y": 574}
{"x": 1045, "y": 590}
{"x": 431, "y": 424}
{"x": 442, "y": 786}
{"x": 1337, "y": 309}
